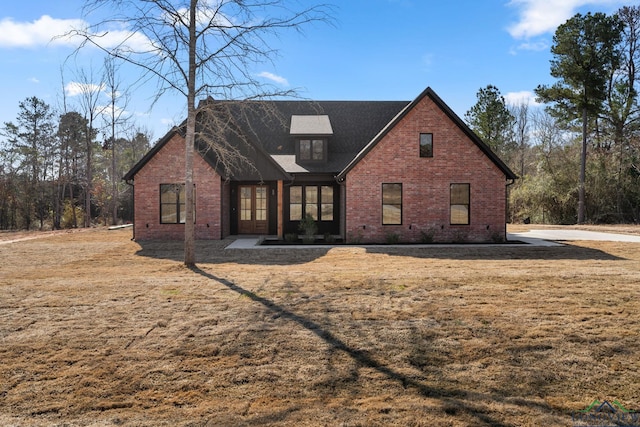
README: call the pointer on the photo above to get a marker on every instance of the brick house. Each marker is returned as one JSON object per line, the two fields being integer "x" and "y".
{"x": 366, "y": 171}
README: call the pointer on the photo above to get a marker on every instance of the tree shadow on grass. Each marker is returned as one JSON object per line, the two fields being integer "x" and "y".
{"x": 500, "y": 253}
{"x": 213, "y": 251}
{"x": 452, "y": 398}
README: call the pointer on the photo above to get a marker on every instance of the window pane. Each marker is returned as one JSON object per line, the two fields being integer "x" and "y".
{"x": 172, "y": 199}
{"x": 295, "y": 194}
{"x": 459, "y": 194}
{"x": 318, "y": 149}
{"x": 392, "y": 193}
{"x": 311, "y": 194}
{"x": 245, "y": 203}
{"x": 311, "y": 209}
{"x": 261, "y": 197}
{"x": 311, "y": 201}
{"x": 391, "y": 214}
{"x": 426, "y": 145}
{"x": 295, "y": 203}
{"x": 326, "y": 198}
{"x": 261, "y": 204}
{"x": 391, "y": 204}
{"x": 295, "y": 211}
{"x": 326, "y": 193}
{"x": 305, "y": 149}
{"x": 168, "y": 213}
{"x": 327, "y": 212}
{"x": 460, "y": 204}
{"x": 168, "y": 193}
{"x": 460, "y": 214}
{"x": 183, "y": 213}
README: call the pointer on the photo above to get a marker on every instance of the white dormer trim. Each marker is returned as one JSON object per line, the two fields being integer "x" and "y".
{"x": 317, "y": 125}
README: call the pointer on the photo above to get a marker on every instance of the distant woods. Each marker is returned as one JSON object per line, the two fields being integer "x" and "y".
{"x": 578, "y": 156}
{"x": 52, "y": 163}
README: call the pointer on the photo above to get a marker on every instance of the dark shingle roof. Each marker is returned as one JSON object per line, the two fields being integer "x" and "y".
{"x": 354, "y": 125}
{"x": 266, "y": 125}
{"x": 357, "y": 127}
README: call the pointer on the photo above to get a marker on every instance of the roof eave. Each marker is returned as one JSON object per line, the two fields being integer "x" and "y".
{"x": 152, "y": 152}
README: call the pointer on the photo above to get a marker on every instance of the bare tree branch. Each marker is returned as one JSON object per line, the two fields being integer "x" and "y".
{"x": 202, "y": 48}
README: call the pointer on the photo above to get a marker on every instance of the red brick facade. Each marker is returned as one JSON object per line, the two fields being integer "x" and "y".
{"x": 167, "y": 167}
{"x": 425, "y": 184}
{"x": 389, "y": 149}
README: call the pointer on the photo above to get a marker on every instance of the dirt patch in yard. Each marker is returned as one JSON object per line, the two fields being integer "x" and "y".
{"x": 96, "y": 329}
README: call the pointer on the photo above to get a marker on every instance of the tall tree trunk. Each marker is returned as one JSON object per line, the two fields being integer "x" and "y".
{"x": 189, "y": 226}
{"x": 87, "y": 195}
{"x": 73, "y": 210}
{"x": 583, "y": 167}
{"x": 114, "y": 183}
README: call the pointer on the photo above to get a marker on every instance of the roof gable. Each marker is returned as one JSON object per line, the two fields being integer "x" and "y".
{"x": 354, "y": 127}
{"x": 428, "y": 92}
{"x": 152, "y": 152}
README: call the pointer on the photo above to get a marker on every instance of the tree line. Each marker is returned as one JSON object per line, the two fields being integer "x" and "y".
{"x": 578, "y": 157}
{"x": 63, "y": 169}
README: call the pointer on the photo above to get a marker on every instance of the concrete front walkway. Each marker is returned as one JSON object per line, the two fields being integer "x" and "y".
{"x": 546, "y": 238}
{"x": 567, "y": 235}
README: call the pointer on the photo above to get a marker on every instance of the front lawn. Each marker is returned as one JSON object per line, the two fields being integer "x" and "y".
{"x": 98, "y": 330}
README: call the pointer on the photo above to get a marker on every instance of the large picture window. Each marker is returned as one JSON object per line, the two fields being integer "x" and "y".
{"x": 391, "y": 204}
{"x": 314, "y": 200}
{"x": 460, "y": 201}
{"x": 172, "y": 204}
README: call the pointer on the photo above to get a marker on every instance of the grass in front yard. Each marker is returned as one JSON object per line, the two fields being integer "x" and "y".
{"x": 96, "y": 329}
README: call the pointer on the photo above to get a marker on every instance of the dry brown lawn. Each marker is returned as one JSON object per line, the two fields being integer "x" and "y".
{"x": 98, "y": 330}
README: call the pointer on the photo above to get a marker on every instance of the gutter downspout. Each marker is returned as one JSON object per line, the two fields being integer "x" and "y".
{"x": 133, "y": 206}
{"x": 343, "y": 206}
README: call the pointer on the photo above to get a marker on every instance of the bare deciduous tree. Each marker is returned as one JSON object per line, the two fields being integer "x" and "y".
{"x": 201, "y": 48}
{"x": 520, "y": 113}
{"x": 89, "y": 100}
{"x": 115, "y": 116}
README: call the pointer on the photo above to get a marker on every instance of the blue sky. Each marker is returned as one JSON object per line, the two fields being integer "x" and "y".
{"x": 376, "y": 50}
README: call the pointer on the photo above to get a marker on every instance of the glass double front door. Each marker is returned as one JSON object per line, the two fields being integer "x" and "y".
{"x": 253, "y": 215}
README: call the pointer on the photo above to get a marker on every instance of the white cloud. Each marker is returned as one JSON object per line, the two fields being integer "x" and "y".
{"x": 525, "y": 96}
{"x": 77, "y": 88}
{"x": 536, "y": 46}
{"x": 51, "y": 31}
{"x": 34, "y": 80}
{"x": 209, "y": 13}
{"x": 124, "y": 39}
{"x": 427, "y": 61}
{"x": 40, "y": 32}
{"x": 538, "y": 17}
{"x": 274, "y": 78}
{"x": 110, "y": 111}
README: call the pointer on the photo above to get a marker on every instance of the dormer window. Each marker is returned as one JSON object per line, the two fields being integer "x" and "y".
{"x": 312, "y": 135}
{"x": 312, "y": 150}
